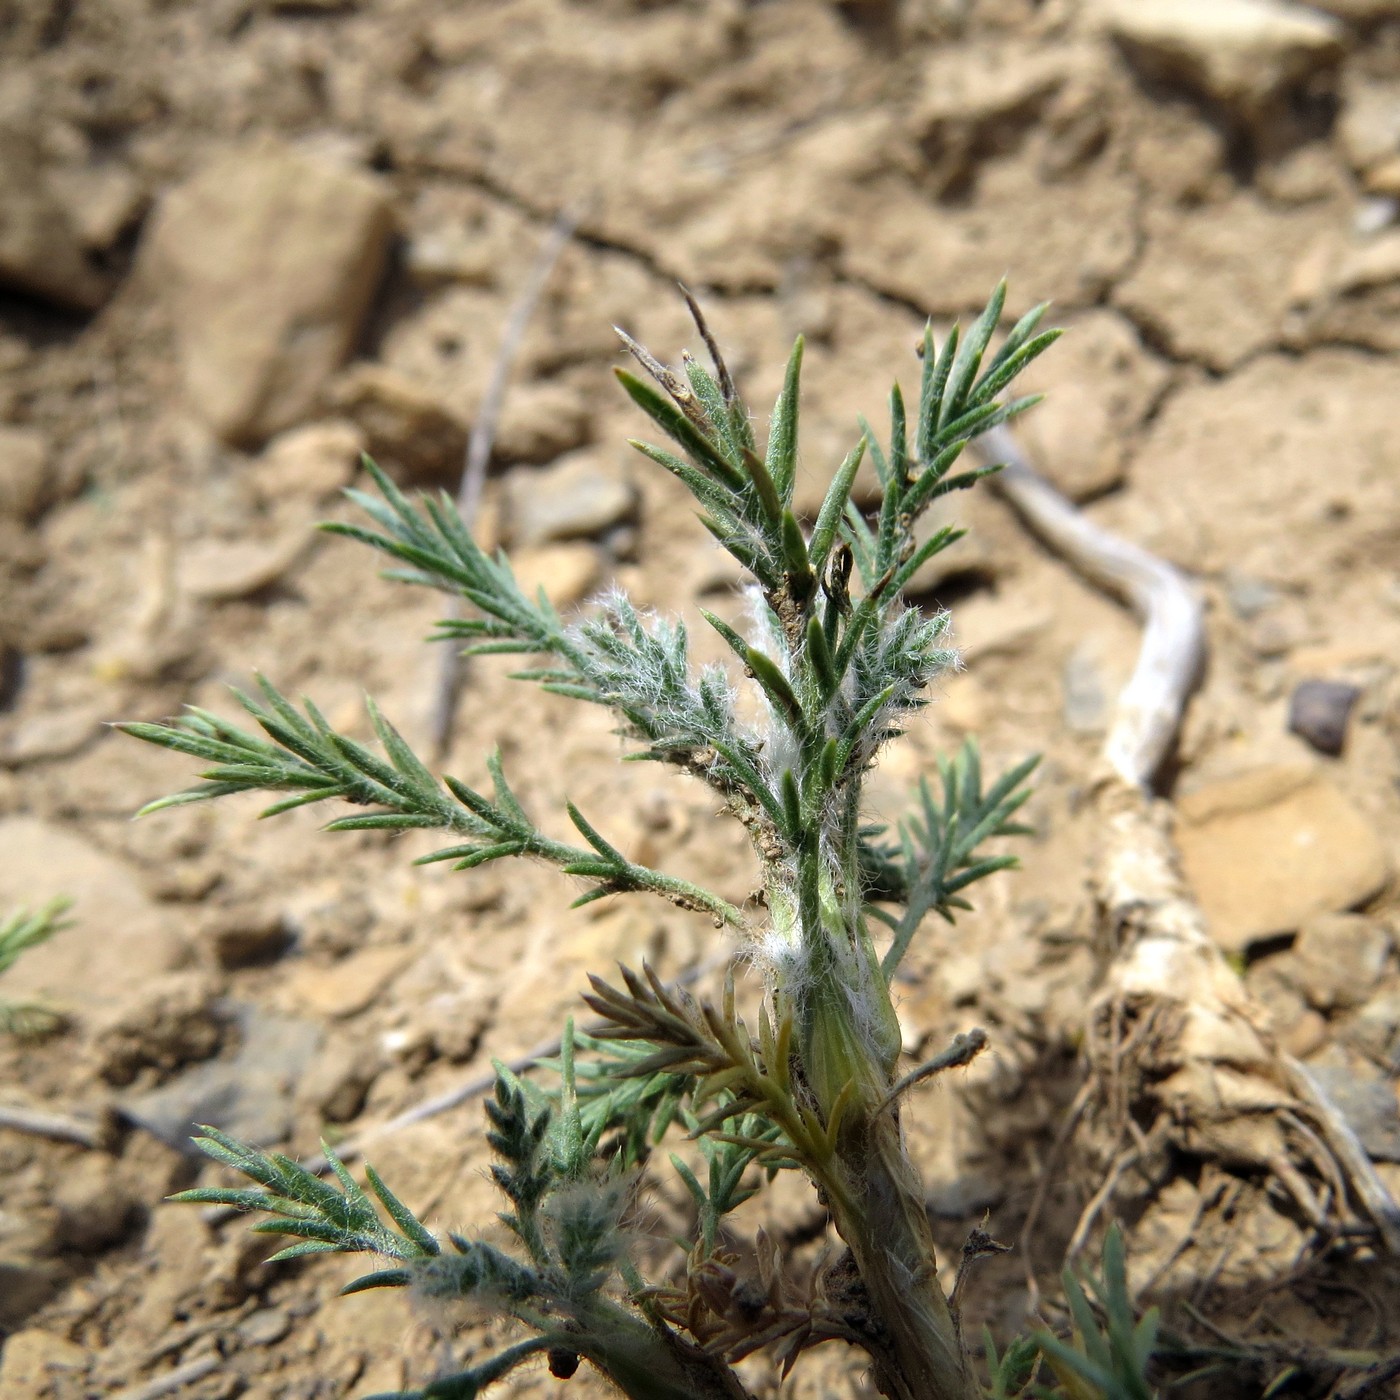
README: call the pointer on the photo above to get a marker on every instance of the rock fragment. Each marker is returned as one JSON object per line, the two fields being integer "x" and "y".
{"x": 310, "y": 462}
{"x": 540, "y": 422}
{"x": 248, "y": 1094}
{"x": 978, "y": 103}
{"x": 405, "y": 426}
{"x": 41, "y": 250}
{"x": 24, "y": 484}
{"x": 566, "y": 572}
{"x": 1318, "y": 711}
{"x": 1368, "y": 127}
{"x": 1364, "y": 1097}
{"x": 269, "y": 259}
{"x": 119, "y": 940}
{"x": 1245, "y": 55}
{"x": 219, "y": 570}
{"x": 576, "y": 498}
{"x": 1338, "y": 960}
{"x": 172, "y": 1022}
{"x": 1268, "y": 850}
{"x": 33, "y": 1360}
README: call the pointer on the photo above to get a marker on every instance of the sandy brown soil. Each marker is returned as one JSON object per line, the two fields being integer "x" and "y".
{"x": 242, "y": 240}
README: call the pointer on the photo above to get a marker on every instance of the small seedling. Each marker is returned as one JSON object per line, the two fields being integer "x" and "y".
{"x": 809, "y": 1080}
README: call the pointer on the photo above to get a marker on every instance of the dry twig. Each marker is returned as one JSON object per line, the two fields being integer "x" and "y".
{"x": 482, "y": 439}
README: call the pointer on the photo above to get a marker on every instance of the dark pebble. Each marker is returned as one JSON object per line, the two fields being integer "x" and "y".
{"x": 1319, "y": 710}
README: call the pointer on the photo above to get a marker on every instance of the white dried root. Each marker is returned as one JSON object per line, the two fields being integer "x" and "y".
{"x": 1174, "y": 1039}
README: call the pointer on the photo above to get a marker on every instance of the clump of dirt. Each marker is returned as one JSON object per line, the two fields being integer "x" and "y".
{"x": 242, "y": 241}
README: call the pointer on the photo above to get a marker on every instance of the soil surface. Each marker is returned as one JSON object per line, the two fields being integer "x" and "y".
{"x": 242, "y": 241}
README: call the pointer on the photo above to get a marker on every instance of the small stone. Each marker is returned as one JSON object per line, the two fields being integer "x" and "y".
{"x": 336, "y": 1085}
{"x": 1098, "y": 391}
{"x": 216, "y": 571}
{"x": 1248, "y": 597}
{"x": 1318, "y": 712}
{"x": 1307, "y": 1035}
{"x": 406, "y": 426}
{"x": 171, "y": 1023}
{"x": 1382, "y": 182}
{"x": 1376, "y": 263}
{"x": 978, "y": 101}
{"x": 24, "y": 483}
{"x": 248, "y": 1095}
{"x": 344, "y": 989}
{"x": 41, "y": 251}
{"x": 31, "y": 1359}
{"x": 96, "y": 1210}
{"x": 449, "y": 254}
{"x": 1086, "y": 701}
{"x": 541, "y": 422}
{"x": 1374, "y": 213}
{"x": 1368, "y": 126}
{"x": 244, "y": 937}
{"x": 1338, "y": 960}
{"x": 119, "y": 939}
{"x": 102, "y": 201}
{"x": 310, "y": 462}
{"x": 41, "y": 738}
{"x": 574, "y": 499}
{"x": 1268, "y": 850}
{"x": 264, "y": 1327}
{"x": 1375, "y": 1029}
{"x": 1364, "y": 1097}
{"x": 1245, "y": 54}
{"x": 566, "y": 572}
{"x": 269, "y": 259}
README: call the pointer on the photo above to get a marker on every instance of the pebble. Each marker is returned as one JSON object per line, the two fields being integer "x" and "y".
{"x": 119, "y": 939}
{"x": 264, "y": 1327}
{"x": 40, "y": 738}
{"x": 540, "y": 422}
{"x": 248, "y": 1095}
{"x": 1338, "y": 960}
{"x": 345, "y": 988}
{"x": 310, "y": 462}
{"x": 1318, "y": 711}
{"x": 218, "y": 571}
{"x": 96, "y": 1210}
{"x": 41, "y": 249}
{"x": 1248, "y": 597}
{"x": 30, "y": 1360}
{"x": 1368, "y": 126}
{"x": 1364, "y": 1097}
{"x": 1270, "y": 849}
{"x": 1086, "y": 702}
{"x": 574, "y": 499}
{"x": 1243, "y": 54}
{"x": 1382, "y": 183}
{"x": 24, "y": 484}
{"x": 243, "y": 937}
{"x": 405, "y": 426}
{"x": 268, "y": 259}
{"x": 171, "y": 1022}
{"x": 566, "y": 572}
{"x": 1375, "y": 1029}
{"x": 335, "y": 1086}
{"x": 1374, "y": 213}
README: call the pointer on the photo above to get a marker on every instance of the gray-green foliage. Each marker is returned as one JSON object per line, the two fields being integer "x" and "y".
{"x": 19, "y": 931}
{"x": 840, "y": 662}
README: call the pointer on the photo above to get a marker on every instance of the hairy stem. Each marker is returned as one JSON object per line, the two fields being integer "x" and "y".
{"x": 915, "y": 1343}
